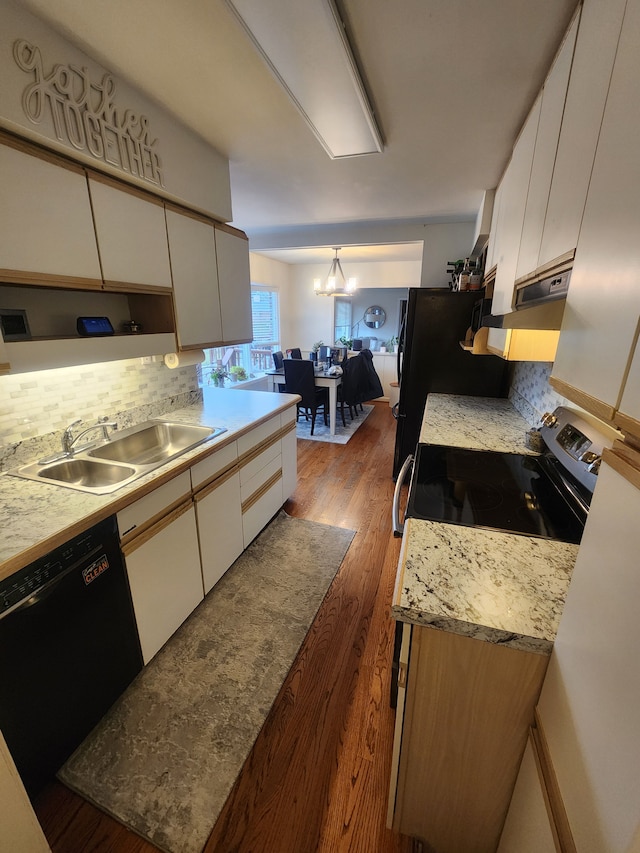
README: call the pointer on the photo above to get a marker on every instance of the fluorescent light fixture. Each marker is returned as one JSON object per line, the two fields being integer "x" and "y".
{"x": 305, "y": 45}
{"x": 336, "y": 284}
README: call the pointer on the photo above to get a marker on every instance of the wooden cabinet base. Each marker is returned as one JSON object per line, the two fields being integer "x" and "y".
{"x": 468, "y": 709}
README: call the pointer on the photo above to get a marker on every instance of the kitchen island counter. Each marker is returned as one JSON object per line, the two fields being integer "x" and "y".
{"x": 36, "y": 517}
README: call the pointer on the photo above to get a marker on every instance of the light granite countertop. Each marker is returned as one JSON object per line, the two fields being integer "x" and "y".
{"x": 498, "y": 587}
{"x": 479, "y": 423}
{"x": 33, "y": 515}
{"x": 495, "y": 586}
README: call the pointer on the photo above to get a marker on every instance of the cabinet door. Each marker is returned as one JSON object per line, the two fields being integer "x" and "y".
{"x": 132, "y": 236}
{"x": 232, "y": 252}
{"x": 45, "y": 222}
{"x": 603, "y": 304}
{"x": 195, "y": 281}
{"x": 512, "y": 206}
{"x": 553, "y": 98}
{"x": 598, "y": 34}
{"x": 591, "y": 693}
{"x": 492, "y": 247}
{"x": 163, "y": 565}
{"x": 219, "y": 515}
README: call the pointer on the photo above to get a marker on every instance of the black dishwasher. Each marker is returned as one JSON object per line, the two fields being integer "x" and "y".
{"x": 68, "y": 648}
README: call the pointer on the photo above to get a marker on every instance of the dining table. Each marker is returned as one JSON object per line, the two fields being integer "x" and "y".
{"x": 322, "y": 379}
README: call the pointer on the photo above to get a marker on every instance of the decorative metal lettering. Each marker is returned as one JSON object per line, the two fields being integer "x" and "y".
{"x": 84, "y": 115}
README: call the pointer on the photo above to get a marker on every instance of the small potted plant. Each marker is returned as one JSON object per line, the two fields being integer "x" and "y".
{"x": 218, "y": 375}
{"x": 392, "y": 343}
{"x": 238, "y": 373}
{"x": 346, "y": 342}
{"x": 315, "y": 349}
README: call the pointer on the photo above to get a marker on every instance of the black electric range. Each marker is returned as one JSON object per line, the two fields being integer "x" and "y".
{"x": 546, "y": 495}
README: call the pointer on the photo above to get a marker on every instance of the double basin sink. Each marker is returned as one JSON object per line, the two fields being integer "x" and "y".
{"x": 113, "y": 463}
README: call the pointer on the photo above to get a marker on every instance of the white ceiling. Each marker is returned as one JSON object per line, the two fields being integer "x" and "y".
{"x": 450, "y": 82}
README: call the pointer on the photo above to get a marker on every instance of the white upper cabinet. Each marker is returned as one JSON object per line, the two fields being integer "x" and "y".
{"x": 492, "y": 246}
{"x": 513, "y": 199}
{"x": 232, "y": 251}
{"x": 552, "y": 107}
{"x": 45, "y": 222}
{"x": 132, "y": 236}
{"x": 598, "y": 34}
{"x": 195, "y": 280}
{"x": 603, "y": 305}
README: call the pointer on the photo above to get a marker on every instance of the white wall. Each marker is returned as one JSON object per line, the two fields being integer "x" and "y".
{"x": 442, "y": 242}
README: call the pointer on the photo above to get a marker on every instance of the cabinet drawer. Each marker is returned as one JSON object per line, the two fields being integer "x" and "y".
{"x": 254, "y": 466}
{"x": 156, "y": 503}
{"x": 256, "y": 516}
{"x": 249, "y": 486}
{"x": 214, "y": 465}
{"x": 248, "y": 442}
{"x": 288, "y": 417}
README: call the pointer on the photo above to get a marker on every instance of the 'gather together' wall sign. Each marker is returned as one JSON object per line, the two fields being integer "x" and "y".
{"x": 84, "y": 115}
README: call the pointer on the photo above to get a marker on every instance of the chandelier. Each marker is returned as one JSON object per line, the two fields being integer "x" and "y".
{"x": 335, "y": 283}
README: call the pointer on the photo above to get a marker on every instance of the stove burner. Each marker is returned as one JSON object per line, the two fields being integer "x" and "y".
{"x": 501, "y": 491}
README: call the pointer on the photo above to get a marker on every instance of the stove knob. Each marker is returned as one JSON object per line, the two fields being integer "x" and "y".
{"x": 588, "y": 457}
{"x": 549, "y": 419}
{"x": 594, "y": 467}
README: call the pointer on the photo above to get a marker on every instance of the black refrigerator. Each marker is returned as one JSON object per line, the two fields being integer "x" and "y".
{"x": 431, "y": 360}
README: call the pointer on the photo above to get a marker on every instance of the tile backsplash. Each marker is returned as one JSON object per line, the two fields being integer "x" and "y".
{"x": 36, "y": 407}
{"x": 530, "y": 392}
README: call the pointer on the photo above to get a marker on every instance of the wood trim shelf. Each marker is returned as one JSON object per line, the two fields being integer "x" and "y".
{"x": 48, "y": 353}
{"x": 39, "y": 279}
{"x": 551, "y": 790}
{"x": 601, "y": 410}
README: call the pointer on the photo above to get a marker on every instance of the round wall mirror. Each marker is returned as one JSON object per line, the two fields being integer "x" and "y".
{"x": 374, "y": 317}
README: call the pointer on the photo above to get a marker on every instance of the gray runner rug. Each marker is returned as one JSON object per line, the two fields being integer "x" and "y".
{"x": 165, "y": 757}
{"x": 323, "y": 433}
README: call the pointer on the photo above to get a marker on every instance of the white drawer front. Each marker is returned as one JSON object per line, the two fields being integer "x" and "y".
{"x": 250, "y": 486}
{"x": 257, "y": 516}
{"x": 288, "y": 417}
{"x": 254, "y": 466}
{"x": 258, "y": 435}
{"x": 154, "y": 503}
{"x": 210, "y": 467}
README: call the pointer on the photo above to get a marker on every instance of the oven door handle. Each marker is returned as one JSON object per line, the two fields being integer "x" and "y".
{"x": 398, "y": 528}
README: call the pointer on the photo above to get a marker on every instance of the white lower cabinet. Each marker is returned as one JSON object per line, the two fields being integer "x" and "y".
{"x": 219, "y": 516}
{"x": 216, "y": 487}
{"x": 163, "y": 565}
{"x": 179, "y": 539}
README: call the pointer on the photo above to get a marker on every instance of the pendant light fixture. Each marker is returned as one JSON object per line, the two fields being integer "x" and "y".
{"x": 335, "y": 284}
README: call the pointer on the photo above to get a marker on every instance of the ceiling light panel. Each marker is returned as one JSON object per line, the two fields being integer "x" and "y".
{"x": 304, "y": 44}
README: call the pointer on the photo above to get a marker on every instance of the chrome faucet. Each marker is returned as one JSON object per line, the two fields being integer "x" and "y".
{"x": 69, "y": 440}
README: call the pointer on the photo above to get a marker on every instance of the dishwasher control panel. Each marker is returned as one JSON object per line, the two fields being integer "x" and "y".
{"x": 26, "y": 582}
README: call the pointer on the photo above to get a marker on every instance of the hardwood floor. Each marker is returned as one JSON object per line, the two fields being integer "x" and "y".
{"x": 317, "y": 776}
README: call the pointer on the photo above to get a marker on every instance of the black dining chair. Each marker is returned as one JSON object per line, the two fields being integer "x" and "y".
{"x": 294, "y": 353}
{"x": 278, "y": 358}
{"x": 300, "y": 379}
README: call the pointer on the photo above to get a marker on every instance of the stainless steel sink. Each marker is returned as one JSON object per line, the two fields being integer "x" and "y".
{"x": 86, "y": 474}
{"x": 112, "y": 464}
{"x": 153, "y": 443}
